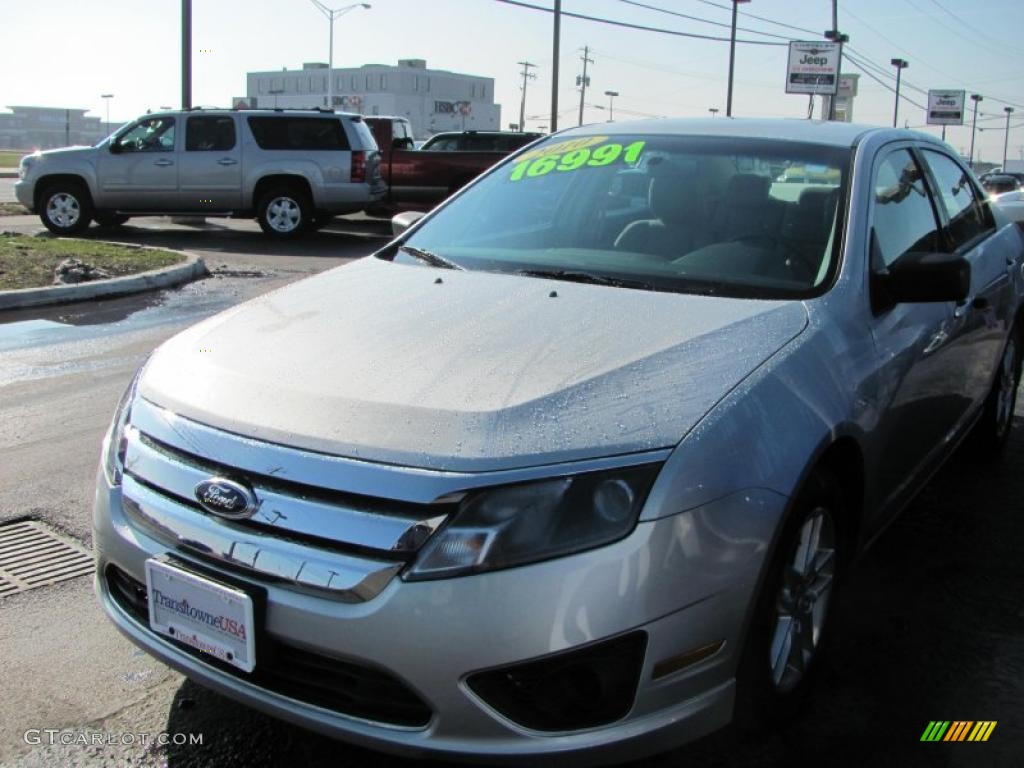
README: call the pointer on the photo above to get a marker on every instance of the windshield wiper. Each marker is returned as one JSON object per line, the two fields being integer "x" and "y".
{"x": 429, "y": 258}
{"x": 574, "y": 276}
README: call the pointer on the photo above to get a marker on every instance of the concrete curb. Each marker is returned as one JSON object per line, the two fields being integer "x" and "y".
{"x": 165, "y": 277}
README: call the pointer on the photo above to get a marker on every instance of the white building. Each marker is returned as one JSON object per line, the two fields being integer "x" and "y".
{"x": 433, "y": 100}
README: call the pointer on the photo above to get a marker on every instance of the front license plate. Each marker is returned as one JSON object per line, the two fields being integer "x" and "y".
{"x": 211, "y": 617}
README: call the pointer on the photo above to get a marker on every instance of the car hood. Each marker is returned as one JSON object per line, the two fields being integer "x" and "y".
{"x": 465, "y": 371}
{"x": 66, "y": 152}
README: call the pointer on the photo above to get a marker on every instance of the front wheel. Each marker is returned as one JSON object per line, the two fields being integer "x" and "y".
{"x": 794, "y": 612}
{"x": 284, "y": 213}
{"x": 65, "y": 208}
{"x": 992, "y": 431}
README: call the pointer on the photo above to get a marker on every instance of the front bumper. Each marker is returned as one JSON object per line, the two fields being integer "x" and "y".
{"x": 24, "y": 192}
{"x": 685, "y": 580}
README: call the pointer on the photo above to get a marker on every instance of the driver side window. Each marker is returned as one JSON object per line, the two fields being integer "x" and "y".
{"x": 155, "y": 134}
{"x": 903, "y": 218}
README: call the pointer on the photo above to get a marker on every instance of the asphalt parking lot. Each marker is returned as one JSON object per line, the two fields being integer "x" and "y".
{"x": 932, "y": 627}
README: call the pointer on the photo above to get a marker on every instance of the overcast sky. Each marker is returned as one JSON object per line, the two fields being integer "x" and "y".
{"x": 67, "y": 52}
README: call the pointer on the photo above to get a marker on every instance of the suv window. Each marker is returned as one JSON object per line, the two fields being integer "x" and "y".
{"x": 479, "y": 143}
{"x": 967, "y": 219}
{"x": 308, "y": 133}
{"x": 209, "y": 134}
{"x": 155, "y": 134}
{"x": 444, "y": 144}
{"x": 903, "y": 217}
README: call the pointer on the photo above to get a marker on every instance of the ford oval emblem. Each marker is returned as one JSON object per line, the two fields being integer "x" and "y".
{"x": 226, "y": 498}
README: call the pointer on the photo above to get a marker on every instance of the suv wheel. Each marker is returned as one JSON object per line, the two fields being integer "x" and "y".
{"x": 794, "y": 612}
{"x": 65, "y": 208}
{"x": 284, "y": 212}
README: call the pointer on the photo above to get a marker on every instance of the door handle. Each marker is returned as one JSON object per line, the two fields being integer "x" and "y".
{"x": 227, "y": 161}
{"x": 163, "y": 162}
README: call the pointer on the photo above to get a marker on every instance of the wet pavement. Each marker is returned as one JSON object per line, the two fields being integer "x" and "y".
{"x": 931, "y": 628}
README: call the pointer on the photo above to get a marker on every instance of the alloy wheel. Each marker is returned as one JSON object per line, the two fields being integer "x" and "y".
{"x": 1007, "y": 388}
{"x": 284, "y": 214}
{"x": 63, "y": 210}
{"x": 801, "y": 606}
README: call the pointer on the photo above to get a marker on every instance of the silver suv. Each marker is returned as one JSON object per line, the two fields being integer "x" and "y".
{"x": 292, "y": 170}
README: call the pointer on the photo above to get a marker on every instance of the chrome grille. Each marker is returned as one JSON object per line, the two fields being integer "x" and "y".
{"x": 313, "y": 538}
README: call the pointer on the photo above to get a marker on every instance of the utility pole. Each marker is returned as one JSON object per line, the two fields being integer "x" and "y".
{"x": 583, "y": 82}
{"x": 611, "y": 102}
{"x": 732, "y": 56}
{"x": 554, "y": 66}
{"x": 527, "y": 75}
{"x": 900, "y": 65}
{"x": 186, "y": 54}
{"x": 1006, "y": 140}
{"x": 975, "y": 97}
{"x": 837, "y": 37}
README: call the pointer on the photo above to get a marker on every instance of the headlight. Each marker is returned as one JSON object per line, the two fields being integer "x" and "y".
{"x": 518, "y": 524}
{"x": 24, "y": 165}
{"x": 116, "y": 444}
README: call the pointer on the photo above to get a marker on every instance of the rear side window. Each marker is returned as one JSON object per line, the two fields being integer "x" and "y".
{"x": 445, "y": 144}
{"x": 306, "y": 133}
{"x": 903, "y": 218}
{"x": 209, "y": 134}
{"x": 967, "y": 219}
{"x": 363, "y": 135}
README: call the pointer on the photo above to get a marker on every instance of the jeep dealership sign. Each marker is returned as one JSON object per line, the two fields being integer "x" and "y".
{"x": 813, "y": 67}
{"x": 946, "y": 107}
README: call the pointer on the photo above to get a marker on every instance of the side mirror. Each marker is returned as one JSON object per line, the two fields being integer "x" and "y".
{"x": 404, "y": 220}
{"x": 922, "y": 277}
{"x": 116, "y": 148}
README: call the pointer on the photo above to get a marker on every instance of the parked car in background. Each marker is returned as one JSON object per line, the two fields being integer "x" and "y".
{"x": 418, "y": 179}
{"x": 1011, "y": 203}
{"x": 998, "y": 183}
{"x": 288, "y": 169}
{"x": 555, "y": 474}
{"x": 479, "y": 141}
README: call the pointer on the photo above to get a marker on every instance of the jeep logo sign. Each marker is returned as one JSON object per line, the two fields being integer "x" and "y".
{"x": 813, "y": 67}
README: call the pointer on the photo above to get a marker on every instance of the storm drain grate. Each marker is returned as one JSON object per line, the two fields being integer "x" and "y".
{"x": 33, "y": 556}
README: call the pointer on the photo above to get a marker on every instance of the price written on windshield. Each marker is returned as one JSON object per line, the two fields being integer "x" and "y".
{"x": 584, "y": 157}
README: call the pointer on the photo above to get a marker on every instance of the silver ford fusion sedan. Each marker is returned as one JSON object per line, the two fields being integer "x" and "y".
{"x": 577, "y": 463}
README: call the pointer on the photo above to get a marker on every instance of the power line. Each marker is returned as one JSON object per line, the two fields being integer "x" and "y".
{"x": 701, "y": 20}
{"x": 640, "y": 27}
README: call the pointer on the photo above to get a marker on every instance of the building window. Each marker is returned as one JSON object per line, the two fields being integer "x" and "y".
{"x": 472, "y": 91}
{"x": 368, "y": 86}
{"x": 383, "y": 82}
{"x": 353, "y": 82}
{"x": 416, "y": 83}
{"x": 428, "y": 83}
{"x": 261, "y": 86}
{"x": 339, "y": 83}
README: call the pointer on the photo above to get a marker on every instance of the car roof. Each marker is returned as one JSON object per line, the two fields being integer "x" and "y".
{"x": 254, "y": 113}
{"x": 833, "y": 133}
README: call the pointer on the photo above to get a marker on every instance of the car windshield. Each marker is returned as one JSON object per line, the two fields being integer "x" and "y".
{"x": 728, "y": 216}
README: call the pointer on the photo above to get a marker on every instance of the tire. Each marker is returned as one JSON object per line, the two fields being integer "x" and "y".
{"x": 110, "y": 220}
{"x": 795, "y": 609}
{"x": 992, "y": 432}
{"x": 65, "y": 208}
{"x": 284, "y": 212}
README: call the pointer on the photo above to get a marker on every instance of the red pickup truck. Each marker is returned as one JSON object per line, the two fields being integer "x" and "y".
{"x": 418, "y": 179}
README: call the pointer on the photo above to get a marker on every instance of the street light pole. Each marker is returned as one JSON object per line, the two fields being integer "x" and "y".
{"x": 900, "y": 65}
{"x": 1006, "y": 139}
{"x": 186, "y": 54}
{"x": 713, "y": 111}
{"x": 332, "y": 15}
{"x": 106, "y": 99}
{"x": 611, "y": 102}
{"x": 527, "y": 75}
{"x": 554, "y": 65}
{"x": 732, "y": 56}
{"x": 975, "y": 97}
